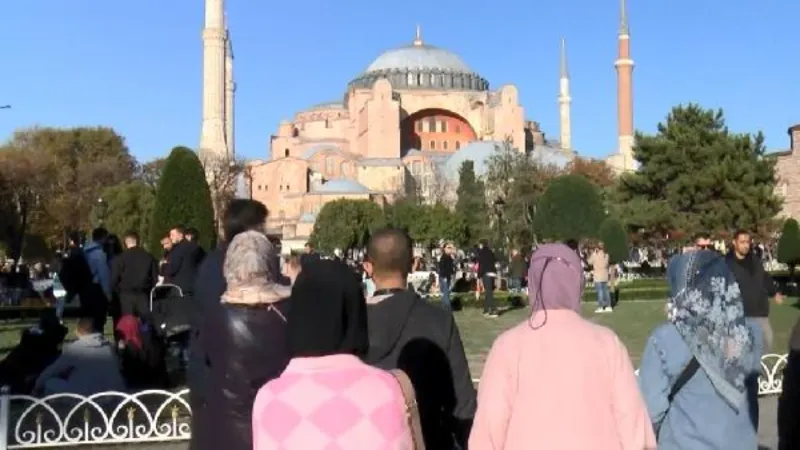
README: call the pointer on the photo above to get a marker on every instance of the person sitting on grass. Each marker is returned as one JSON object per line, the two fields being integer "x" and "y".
{"x": 38, "y": 347}
{"x": 86, "y": 366}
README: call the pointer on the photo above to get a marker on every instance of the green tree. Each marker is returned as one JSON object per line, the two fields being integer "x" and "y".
{"x": 615, "y": 239}
{"x": 570, "y": 208}
{"x": 150, "y": 172}
{"x": 346, "y": 224}
{"x": 789, "y": 245}
{"x": 471, "y": 203}
{"x": 182, "y": 197}
{"x": 425, "y": 224}
{"x": 130, "y": 208}
{"x": 696, "y": 175}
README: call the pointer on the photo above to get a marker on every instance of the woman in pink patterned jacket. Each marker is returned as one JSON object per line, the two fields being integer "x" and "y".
{"x": 327, "y": 398}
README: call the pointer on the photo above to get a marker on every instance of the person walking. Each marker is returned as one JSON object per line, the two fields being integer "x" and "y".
{"x": 446, "y": 271}
{"x": 599, "y": 261}
{"x": 487, "y": 272}
{"x": 557, "y": 380}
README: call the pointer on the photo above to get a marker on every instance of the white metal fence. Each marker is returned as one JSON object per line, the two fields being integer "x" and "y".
{"x": 153, "y": 416}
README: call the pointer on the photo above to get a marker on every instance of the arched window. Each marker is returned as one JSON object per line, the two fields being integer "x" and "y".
{"x": 443, "y": 126}
{"x": 286, "y": 152}
{"x": 432, "y": 125}
{"x": 433, "y": 145}
{"x": 444, "y": 145}
{"x": 458, "y": 145}
{"x": 329, "y": 165}
{"x": 287, "y": 187}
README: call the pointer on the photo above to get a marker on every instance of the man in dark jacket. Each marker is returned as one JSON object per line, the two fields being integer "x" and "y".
{"x": 446, "y": 271}
{"x": 133, "y": 275}
{"x": 407, "y": 333}
{"x": 240, "y": 216}
{"x": 184, "y": 258}
{"x": 192, "y": 235}
{"x": 755, "y": 284}
{"x": 309, "y": 254}
{"x": 487, "y": 272}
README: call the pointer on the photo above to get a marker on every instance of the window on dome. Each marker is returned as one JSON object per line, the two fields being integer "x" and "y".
{"x": 419, "y": 126}
{"x": 458, "y": 128}
{"x": 410, "y": 79}
{"x": 433, "y": 145}
{"x": 286, "y": 152}
{"x": 458, "y": 145}
{"x": 432, "y": 125}
{"x": 329, "y": 165}
{"x": 287, "y": 188}
{"x": 444, "y": 145}
{"x": 443, "y": 126}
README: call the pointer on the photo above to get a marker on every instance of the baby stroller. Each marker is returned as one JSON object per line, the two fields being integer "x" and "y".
{"x": 169, "y": 315}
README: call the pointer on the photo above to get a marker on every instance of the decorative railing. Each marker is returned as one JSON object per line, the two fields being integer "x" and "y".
{"x": 62, "y": 420}
{"x": 152, "y": 416}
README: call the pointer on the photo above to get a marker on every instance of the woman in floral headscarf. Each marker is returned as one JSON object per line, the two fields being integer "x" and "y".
{"x": 557, "y": 380}
{"x": 697, "y": 368}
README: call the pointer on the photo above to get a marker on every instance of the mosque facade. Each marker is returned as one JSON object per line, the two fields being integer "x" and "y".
{"x": 404, "y": 126}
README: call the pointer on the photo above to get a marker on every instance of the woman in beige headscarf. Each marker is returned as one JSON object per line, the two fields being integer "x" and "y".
{"x": 248, "y": 346}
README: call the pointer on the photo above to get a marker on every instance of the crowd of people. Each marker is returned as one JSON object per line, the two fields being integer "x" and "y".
{"x": 306, "y": 355}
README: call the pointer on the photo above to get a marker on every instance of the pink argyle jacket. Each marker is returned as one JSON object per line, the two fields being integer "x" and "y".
{"x": 331, "y": 403}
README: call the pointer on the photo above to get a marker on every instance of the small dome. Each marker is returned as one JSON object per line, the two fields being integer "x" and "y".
{"x": 342, "y": 186}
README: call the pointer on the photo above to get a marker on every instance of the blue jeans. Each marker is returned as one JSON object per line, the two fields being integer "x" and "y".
{"x": 444, "y": 289}
{"x": 515, "y": 285}
{"x": 603, "y": 295}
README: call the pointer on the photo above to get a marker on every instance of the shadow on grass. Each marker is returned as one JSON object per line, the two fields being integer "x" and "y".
{"x": 514, "y": 302}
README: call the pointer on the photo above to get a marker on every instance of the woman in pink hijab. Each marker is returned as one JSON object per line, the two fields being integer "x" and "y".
{"x": 558, "y": 381}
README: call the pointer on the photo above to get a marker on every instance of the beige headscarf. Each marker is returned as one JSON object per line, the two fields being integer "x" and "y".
{"x": 248, "y": 271}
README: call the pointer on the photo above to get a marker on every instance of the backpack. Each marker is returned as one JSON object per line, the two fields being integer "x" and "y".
{"x": 412, "y": 411}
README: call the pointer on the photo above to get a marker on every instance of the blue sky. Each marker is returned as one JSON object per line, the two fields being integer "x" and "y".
{"x": 137, "y": 65}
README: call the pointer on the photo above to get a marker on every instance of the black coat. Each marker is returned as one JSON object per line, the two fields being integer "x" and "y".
{"x": 755, "y": 284}
{"x": 486, "y": 261}
{"x": 181, "y": 268}
{"x": 134, "y": 271}
{"x": 247, "y": 349}
{"x": 423, "y": 340}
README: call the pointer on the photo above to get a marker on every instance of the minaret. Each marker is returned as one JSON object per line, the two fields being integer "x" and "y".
{"x": 564, "y": 102}
{"x": 212, "y": 136}
{"x": 230, "y": 92}
{"x": 624, "y": 66}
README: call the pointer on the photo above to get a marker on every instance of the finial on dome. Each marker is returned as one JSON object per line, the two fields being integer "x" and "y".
{"x": 418, "y": 37}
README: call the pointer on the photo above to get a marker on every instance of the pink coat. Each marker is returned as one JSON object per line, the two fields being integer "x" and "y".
{"x": 568, "y": 385}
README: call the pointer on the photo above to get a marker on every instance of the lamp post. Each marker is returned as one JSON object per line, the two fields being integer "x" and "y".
{"x": 499, "y": 204}
{"x": 102, "y": 209}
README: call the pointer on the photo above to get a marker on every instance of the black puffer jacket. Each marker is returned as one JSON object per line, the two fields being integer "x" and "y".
{"x": 247, "y": 349}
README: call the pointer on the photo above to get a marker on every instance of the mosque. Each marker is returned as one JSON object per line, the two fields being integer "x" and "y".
{"x": 404, "y": 125}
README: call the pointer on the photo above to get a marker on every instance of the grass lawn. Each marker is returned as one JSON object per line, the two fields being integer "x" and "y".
{"x": 632, "y": 322}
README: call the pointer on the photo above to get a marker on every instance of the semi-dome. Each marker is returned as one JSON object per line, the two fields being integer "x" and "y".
{"x": 421, "y": 66}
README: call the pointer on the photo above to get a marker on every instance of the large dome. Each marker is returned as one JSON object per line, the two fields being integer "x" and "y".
{"x": 421, "y": 66}
{"x": 419, "y": 57}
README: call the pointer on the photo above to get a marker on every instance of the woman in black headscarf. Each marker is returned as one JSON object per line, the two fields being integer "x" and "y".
{"x": 342, "y": 401}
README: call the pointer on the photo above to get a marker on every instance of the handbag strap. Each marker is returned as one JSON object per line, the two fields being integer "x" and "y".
{"x": 412, "y": 410}
{"x": 684, "y": 377}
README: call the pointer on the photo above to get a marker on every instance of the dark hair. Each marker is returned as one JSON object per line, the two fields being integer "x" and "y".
{"x": 131, "y": 235}
{"x": 701, "y": 235}
{"x": 740, "y": 232}
{"x": 389, "y": 251}
{"x": 572, "y": 243}
{"x": 309, "y": 245}
{"x": 99, "y": 234}
{"x": 179, "y": 228}
{"x": 242, "y": 215}
{"x": 192, "y": 231}
{"x": 113, "y": 246}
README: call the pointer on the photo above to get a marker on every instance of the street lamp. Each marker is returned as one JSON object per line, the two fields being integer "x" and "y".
{"x": 102, "y": 209}
{"x": 499, "y": 204}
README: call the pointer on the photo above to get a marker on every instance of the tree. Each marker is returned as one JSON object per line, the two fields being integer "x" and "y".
{"x": 425, "y": 224}
{"x": 789, "y": 245}
{"x": 222, "y": 174}
{"x": 130, "y": 208}
{"x": 519, "y": 181}
{"x": 595, "y": 170}
{"x": 346, "y": 224}
{"x": 150, "y": 173}
{"x": 696, "y": 175}
{"x": 80, "y": 163}
{"x": 471, "y": 203}
{"x": 615, "y": 239}
{"x": 570, "y": 208}
{"x": 183, "y": 197}
{"x": 25, "y": 184}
